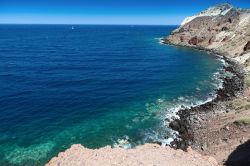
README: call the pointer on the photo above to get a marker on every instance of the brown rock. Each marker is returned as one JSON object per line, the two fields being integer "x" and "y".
{"x": 224, "y": 29}
{"x": 181, "y": 38}
{"x": 194, "y": 40}
{"x": 210, "y": 41}
{"x": 247, "y": 46}
{"x": 225, "y": 39}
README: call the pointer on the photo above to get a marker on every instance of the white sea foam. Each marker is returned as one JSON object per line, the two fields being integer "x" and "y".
{"x": 166, "y": 142}
{"x": 186, "y": 102}
{"x": 122, "y": 143}
{"x": 197, "y": 88}
{"x": 160, "y": 40}
{"x": 167, "y": 111}
{"x": 160, "y": 100}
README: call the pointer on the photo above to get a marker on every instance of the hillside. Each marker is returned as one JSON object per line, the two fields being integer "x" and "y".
{"x": 223, "y": 28}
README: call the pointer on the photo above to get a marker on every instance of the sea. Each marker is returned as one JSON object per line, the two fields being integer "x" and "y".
{"x": 94, "y": 85}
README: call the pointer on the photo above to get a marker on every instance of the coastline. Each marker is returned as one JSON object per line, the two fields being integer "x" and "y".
{"x": 211, "y": 128}
{"x": 219, "y": 127}
{"x": 186, "y": 126}
{"x": 231, "y": 89}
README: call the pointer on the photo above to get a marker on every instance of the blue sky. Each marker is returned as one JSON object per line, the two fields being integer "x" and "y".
{"x": 155, "y": 12}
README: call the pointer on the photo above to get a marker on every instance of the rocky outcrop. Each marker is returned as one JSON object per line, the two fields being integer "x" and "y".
{"x": 247, "y": 46}
{"x": 223, "y": 28}
{"x": 194, "y": 40}
{"x": 149, "y": 154}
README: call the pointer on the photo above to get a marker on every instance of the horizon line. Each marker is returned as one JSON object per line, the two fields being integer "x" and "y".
{"x": 74, "y": 24}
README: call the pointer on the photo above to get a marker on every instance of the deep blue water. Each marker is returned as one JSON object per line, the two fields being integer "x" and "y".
{"x": 92, "y": 85}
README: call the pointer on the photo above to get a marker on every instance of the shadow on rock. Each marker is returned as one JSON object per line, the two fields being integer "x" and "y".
{"x": 240, "y": 156}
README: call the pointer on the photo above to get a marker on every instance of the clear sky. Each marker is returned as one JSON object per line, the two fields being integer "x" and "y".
{"x": 155, "y": 12}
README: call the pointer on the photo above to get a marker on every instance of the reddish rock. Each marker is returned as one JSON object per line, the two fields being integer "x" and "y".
{"x": 247, "y": 46}
{"x": 194, "y": 40}
{"x": 148, "y": 154}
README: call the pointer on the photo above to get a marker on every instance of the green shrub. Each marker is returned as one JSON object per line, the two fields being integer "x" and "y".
{"x": 243, "y": 121}
{"x": 247, "y": 81}
{"x": 240, "y": 104}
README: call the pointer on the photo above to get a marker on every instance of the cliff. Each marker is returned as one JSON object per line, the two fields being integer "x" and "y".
{"x": 223, "y": 28}
{"x": 148, "y": 154}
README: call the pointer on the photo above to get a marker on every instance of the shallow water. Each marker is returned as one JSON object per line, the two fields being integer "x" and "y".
{"x": 92, "y": 85}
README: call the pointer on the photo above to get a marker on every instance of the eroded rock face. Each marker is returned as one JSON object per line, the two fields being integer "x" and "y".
{"x": 223, "y": 28}
{"x": 247, "y": 46}
{"x": 193, "y": 41}
{"x": 211, "y": 40}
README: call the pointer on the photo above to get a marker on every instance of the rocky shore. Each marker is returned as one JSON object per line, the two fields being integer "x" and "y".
{"x": 233, "y": 87}
{"x": 213, "y": 128}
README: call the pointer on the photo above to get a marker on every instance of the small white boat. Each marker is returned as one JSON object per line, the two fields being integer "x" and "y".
{"x": 72, "y": 27}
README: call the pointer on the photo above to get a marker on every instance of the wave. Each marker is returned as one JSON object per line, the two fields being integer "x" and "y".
{"x": 123, "y": 143}
{"x": 162, "y": 133}
{"x": 160, "y": 40}
{"x": 168, "y": 111}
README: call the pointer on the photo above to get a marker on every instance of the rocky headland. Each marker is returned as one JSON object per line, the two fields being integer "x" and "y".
{"x": 220, "y": 128}
{"x": 222, "y": 28}
{"x": 217, "y": 128}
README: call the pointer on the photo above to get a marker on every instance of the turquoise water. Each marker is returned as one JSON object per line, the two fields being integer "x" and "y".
{"x": 93, "y": 85}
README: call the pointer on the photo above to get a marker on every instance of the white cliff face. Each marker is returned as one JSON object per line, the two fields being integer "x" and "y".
{"x": 245, "y": 19}
{"x": 211, "y": 12}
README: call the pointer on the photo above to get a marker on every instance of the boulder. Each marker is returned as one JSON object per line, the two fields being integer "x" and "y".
{"x": 175, "y": 125}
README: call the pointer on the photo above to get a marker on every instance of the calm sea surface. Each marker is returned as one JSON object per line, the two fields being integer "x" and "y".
{"x": 94, "y": 85}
